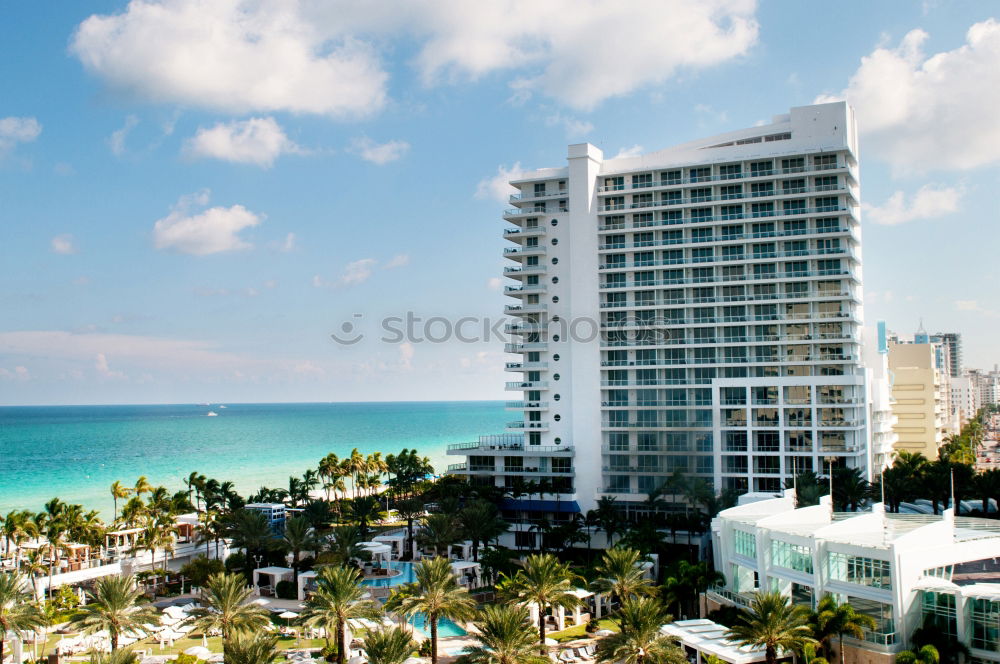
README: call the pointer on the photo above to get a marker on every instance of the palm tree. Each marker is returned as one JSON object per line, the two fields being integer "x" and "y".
{"x": 439, "y": 532}
{"x": 120, "y": 656}
{"x": 114, "y": 605}
{"x": 142, "y": 486}
{"x": 621, "y": 575}
{"x": 835, "y": 619}
{"x": 609, "y": 518}
{"x": 685, "y": 582}
{"x": 252, "y": 649}
{"x": 251, "y": 532}
{"x": 388, "y": 646}
{"x": 436, "y": 594}
{"x": 481, "y": 522}
{"x": 639, "y": 640}
{"x": 34, "y": 566}
{"x": 118, "y": 490}
{"x": 544, "y": 581}
{"x": 410, "y": 509}
{"x": 926, "y": 655}
{"x": 339, "y": 597}
{"x": 345, "y": 544}
{"x": 18, "y": 612}
{"x": 226, "y": 606}
{"x": 773, "y": 622}
{"x": 298, "y": 537}
{"x": 505, "y": 637}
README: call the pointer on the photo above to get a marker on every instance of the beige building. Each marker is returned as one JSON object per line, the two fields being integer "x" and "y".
{"x": 921, "y": 398}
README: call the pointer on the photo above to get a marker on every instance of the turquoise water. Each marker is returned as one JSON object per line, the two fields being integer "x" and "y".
{"x": 407, "y": 576}
{"x": 445, "y": 626}
{"x": 76, "y": 452}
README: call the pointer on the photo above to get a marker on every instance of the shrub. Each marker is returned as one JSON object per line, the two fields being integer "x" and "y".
{"x": 236, "y": 562}
{"x": 329, "y": 652}
{"x": 198, "y": 570}
{"x": 592, "y": 626}
{"x": 424, "y": 650}
{"x": 286, "y": 590}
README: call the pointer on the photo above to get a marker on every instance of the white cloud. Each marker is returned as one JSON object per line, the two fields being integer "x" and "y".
{"x": 63, "y": 244}
{"x": 17, "y": 373}
{"x": 924, "y": 113}
{"x": 406, "y": 352}
{"x": 103, "y": 370}
{"x": 379, "y": 153}
{"x": 629, "y": 153}
{"x": 271, "y": 55}
{"x": 497, "y": 187}
{"x": 210, "y": 231}
{"x": 574, "y": 51}
{"x": 17, "y": 130}
{"x": 235, "y": 55}
{"x": 357, "y": 272}
{"x": 399, "y": 260}
{"x": 117, "y": 139}
{"x": 494, "y": 283}
{"x": 930, "y": 201}
{"x": 289, "y": 243}
{"x": 573, "y": 126}
{"x": 257, "y": 141}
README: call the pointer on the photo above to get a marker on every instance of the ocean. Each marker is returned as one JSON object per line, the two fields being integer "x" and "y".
{"x": 77, "y": 452}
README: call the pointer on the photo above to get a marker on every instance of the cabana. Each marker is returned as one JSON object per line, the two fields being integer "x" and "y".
{"x": 561, "y": 618}
{"x": 704, "y": 638}
{"x": 397, "y": 542}
{"x": 307, "y": 584}
{"x": 266, "y": 579}
{"x": 187, "y": 527}
{"x": 121, "y": 539}
{"x": 379, "y": 551}
{"x": 467, "y": 572}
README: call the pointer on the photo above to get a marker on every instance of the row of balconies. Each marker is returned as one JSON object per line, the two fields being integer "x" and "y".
{"x": 497, "y": 444}
{"x": 735, "y": 258}
{"x": 728, "y": 237}
{"x": 724, "y": 279}
{"x": 672, "y": 182}
{"x": 632, "y": 322}
{"x": 655, "y": 343}
{"x": 773, "y": 192}
{"x": 728, "y": 360}
{"x": 750, "y": 298}
{"x": 653, "y": 382}
{"x": 758, "y": 214}
{"x": 517, "y": 309}
{"x": 688, "y": 403}
{"x": 527, "y": 385}
{"x": 517, "y": 270}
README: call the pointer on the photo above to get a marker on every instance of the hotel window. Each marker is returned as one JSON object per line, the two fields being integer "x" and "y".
{"x": 938, "y": 611}
{"x": 765, "y": 250}
{"x": 828, "y": 245}
{"x": 797, "y": 206}
{"x": 744, "y": 543}
{"x": 642, "y": 200}
{"x": 618, "y": 441}
{"x": 736, "y": 441}
{"x": 825, "y": 161}
{"x": 646, "y": 239}
{"x": 642, "y": 180}
{"x": 704, "y": 465}
{"x": 703, "y": 255}
{"x": 673, "y": 237}
{"x": 731, "y": 211}
{"x": 758, "y": 189}
{"x": 671, "y": 197}
{"x": 796, "y": 227}
{"x": 731, "y": 191}
{"x": 764, "y": 270}
{"x": 827, "y": 225}
{"x": 702, "y": 274}
{"x": 670, "y": 217}
{"x": 791, "y": 556}
{"x": 670, "y": 177}
{"x": 762, "y": 229}
{"x": 761, "y": 168}
{"x": 827, "y": 203}
{"x": 673, "y": 257}
{"x": 614, "y": 184}
{"x": 701, "y": 214}
{"x": 793, "y": 165}
{"x": 796, "y": 248}
{"x": 614, "y": 203}
{"x": 614, "y": 221}
{"x": 828, "y": 266}
{"x": 539, "y": 189}
{"x": 730, "y": 232}
{"x": 616, "y": 280}
{"x": 796, "y": 186}
{"x": 700, "y": 174}
{"x": 730, "y": 171}
{"x": 701, "y": 234}
{"x": 762, "y": 209}
{"x": 860, "y": 570}
{"x": 734, "y": 464}
{"x": 826, "y": 183}
{"x": 643, "y": 219}
{"x": 984, "y": 618}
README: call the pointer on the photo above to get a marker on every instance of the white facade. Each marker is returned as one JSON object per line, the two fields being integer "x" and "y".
{"x": 903, "y": 570}
{"x": 695, "y": 309}
{"x": 881, "y": 417}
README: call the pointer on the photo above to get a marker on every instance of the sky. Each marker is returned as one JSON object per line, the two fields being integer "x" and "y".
{"x": 195, "y": 195}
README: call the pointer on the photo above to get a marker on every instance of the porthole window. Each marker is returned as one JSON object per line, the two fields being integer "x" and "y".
{"x": 555, "y": 358}
{"x": 555, "y": 299}
{"x": 557, "y": 417}
{"x": 556, "y": 397}
{"x": 555, "y": 261}
{"x": 555, "y": 377}
{"x": 555, "y": 280}
{"x": 555, "y": 241}
{"x": 555, "y": 319}
{"x": 557, "y": 440}
{"x": 555, "y": 222}
{"x": 555, "y": 337}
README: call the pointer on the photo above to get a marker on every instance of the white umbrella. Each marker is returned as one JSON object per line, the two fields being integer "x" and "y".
{"x": 288, "y": 615}
{"x": 603, "y": 632}
{"x": 415, "y": 660}
{"x": 551, "y": 642}
{"x": 199, "y": 652}
{"x": 357, "y": 659}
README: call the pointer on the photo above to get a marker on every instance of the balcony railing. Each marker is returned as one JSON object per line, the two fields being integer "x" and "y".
{"x": 527, "y": 385}
{"x": 525, "y": 347}
{"x": 728, "y": 176}
{"x": 527, "y": 230}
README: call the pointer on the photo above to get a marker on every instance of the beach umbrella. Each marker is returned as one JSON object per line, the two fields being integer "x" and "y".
{"x": 198, "y": 651}
{"x": 603, "y": 632}
{"x": 288, "y": 615}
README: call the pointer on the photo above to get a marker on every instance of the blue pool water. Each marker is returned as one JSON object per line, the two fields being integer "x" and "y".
{"x": 445, "y": 627}
{"x": 407, "y": 576}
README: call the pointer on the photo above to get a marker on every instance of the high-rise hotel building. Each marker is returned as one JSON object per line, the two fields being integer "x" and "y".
{"x": 694, "y": 309}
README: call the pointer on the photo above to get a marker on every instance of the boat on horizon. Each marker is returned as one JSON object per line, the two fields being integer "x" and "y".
{"x": 212, "y": 413}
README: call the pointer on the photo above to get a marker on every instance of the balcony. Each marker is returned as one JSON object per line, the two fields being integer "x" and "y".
{"x": 525, "y": 366}
{"x": 720, "y": 178}
{"x": 505, "y": 443}
{"x": 526, "y": 405}
{"x": 527, "y": 231}
{"x": 527, "y": 385}
{"x": 515, "y": 252}
{"x": 526, "y": 347}
{"x": 529, "y": 426}
{"x": 524, "y": 328}
{"x": 515, "y": 271}
{"x": 531, "y": 195}
{"x": 526, "y": 288}
{"x": 532, "y": 211}
{"x": 518, "y": 309}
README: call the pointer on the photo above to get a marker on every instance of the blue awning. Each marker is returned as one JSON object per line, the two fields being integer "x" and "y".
{"x": 559, "y": 506}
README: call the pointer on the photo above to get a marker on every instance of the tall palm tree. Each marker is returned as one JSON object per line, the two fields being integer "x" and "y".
{"x": 608, "y": 516}
{"x": 345, "y": 544}
{"x": 772, "y": 622}
{"x": 544, "y": 581}
{"x": 505, "y": 636}
{"x": 251, "y": 532}
{"x": 339, "y": 597}
{"x": 436, "y": 594}
{"x": 298, "y": 537}
{"x": 621, "y": 575}
{"x": 685, "y": 582}
{"x": 226, "y": 606}
{"x": 440, "y": 531}
{"x": 388, "y": 646}
{"x": 118, "y": 490}
{"x": 639, "y": 640}
{"x": 34, "y": 566}
{"x": 115, "y": 605}
{"x": 480, "y": 522}
{"x": 18, "y": 612}
{"x": 142, "y": 486}
{"x": 252, "y": 649}
{"x": 835, "y": 619}
{"x": 329, "y": 470}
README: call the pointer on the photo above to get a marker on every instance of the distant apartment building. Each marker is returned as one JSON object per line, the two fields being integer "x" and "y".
{"x": 964, "y": 398}
{"x": 882, "y": 418}
{"x": 953, "y": 341}
{"x": 920, "y": 394}
{"x": 695, "y": 309}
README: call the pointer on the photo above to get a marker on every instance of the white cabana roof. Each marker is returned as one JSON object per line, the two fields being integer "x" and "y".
{"x": 709, "y": 638}
{"x": 389, "y": 538}
{"x": 308, "y": 575}
{"x": 581, "y": 593}
{"x": 376, "y": 547}
{"x": 934, "y": 584}
{"x": 276, "y": 571}
{"x": 463, "y": 564}
{"x": 990, "y": 591}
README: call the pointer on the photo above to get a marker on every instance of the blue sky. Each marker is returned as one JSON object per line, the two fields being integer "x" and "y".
{"x": 193, "y": 196}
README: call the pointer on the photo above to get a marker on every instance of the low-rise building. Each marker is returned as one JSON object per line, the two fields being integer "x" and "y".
{"x": 904, "y": 570}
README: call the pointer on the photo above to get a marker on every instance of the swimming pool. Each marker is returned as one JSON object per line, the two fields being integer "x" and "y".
{"x": 407, "y": 576}
{"x": 445, "y": 627}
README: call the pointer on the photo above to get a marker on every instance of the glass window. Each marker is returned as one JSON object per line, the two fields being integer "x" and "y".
{"x": 870, "y": 572}
{"x": 791, "y": 556}
{"x": 745, "y": 544}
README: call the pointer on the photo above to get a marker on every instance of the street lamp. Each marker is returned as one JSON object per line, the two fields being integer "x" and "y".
{"x": 829, "y": 460}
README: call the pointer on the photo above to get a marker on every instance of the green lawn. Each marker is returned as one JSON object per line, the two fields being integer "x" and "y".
{"x": 180, "y": 645}
{"x": 579, "y": 631}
